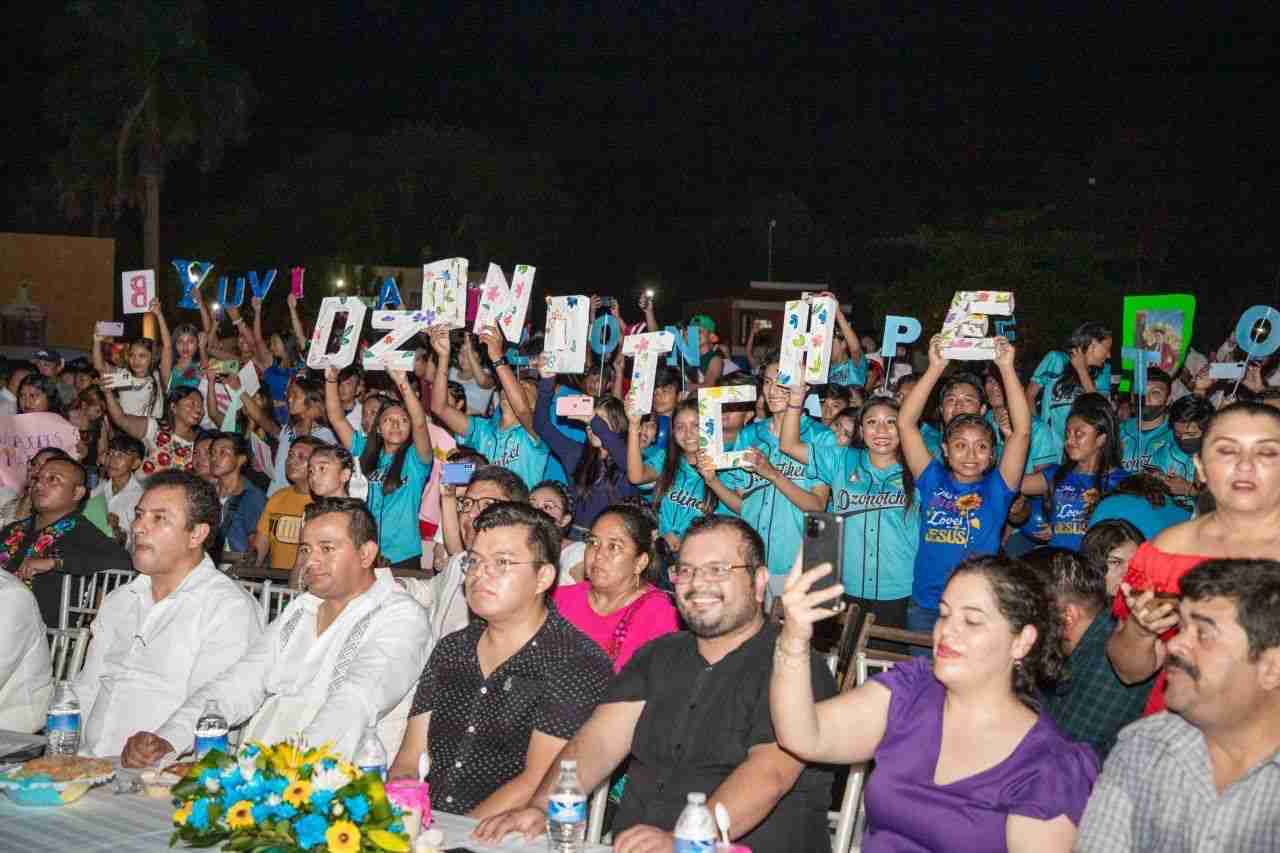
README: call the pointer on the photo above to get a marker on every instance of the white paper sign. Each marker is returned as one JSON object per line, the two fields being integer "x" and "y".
{"x": 249, "y": 383}
{"x": 444, "y": 292}
{"x": 646, "y": 351}
{"x": 965, "y": 327}
{"x": 807, "y": 327}
{"x": 565, "y": 343}
{"x": 330, "y": 307}
{"x": 385, "y": 353}
{"x": 1227, "y": 370}
{"x": 137, "y": 289}
{"x": 505, "y": 305}
{"x": 711, "y": 424}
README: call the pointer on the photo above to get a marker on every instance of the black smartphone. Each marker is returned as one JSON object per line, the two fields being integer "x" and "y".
{"x": 824, "y": 543}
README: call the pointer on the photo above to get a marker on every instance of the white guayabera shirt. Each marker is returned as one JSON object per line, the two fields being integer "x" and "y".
{"x": 25, "y": 675}
{"x": 327, "y": 688}
{"x": 147, "y": 657}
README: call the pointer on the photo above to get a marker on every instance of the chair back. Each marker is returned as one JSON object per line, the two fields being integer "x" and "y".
{"x": 841, "y": 657}
{"x": 277, "y": 597}
{"x": 67, "y": 647}
{"x": 595, "y": 813}
{"x": 868, "y": 661}
{"x": 82, "y": 595}
{"x": 257, "y": 589}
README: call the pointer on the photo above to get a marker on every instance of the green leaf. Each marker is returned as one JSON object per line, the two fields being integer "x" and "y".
{"x": 388, "y": 840}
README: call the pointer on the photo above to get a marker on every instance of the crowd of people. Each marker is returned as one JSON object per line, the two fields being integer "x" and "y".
{"x": 498, "y": 587}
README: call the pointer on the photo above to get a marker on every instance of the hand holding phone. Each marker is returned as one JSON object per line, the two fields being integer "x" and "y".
{"x": 576, "y": 406}
{"x": 824, "y": 543}
{"x": 458, "y": 473}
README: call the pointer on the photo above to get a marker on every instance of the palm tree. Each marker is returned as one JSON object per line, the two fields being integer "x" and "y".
{"x": 138, "y": 89}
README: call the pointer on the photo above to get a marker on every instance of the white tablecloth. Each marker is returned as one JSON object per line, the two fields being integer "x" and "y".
{"x": 102, "y": 821}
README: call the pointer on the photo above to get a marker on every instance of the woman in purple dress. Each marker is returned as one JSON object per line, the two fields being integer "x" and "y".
{"x": 965, "y": 760}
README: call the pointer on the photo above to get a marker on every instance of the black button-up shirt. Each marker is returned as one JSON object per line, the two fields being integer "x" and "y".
{"x": 480, "y": 727}
{"x": 699, "y": 723}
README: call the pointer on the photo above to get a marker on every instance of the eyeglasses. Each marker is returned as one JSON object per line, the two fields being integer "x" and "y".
{"x": 683, "y": 572}
{"x": 478, "y": 504}
{"x": 498, "y": 567}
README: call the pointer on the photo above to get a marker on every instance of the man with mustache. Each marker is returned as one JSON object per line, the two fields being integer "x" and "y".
{"x": 171, "y": 630}
{"x": 692, "y": 711}
{"x": 1207, "y": 775}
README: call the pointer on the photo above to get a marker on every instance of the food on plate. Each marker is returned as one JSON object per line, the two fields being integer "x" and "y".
{"x": 63, "y": 768}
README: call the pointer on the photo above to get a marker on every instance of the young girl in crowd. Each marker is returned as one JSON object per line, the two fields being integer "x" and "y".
{"x": 848, "y": 362}
{"x": 846, "y": 426}
{"x": 554, "y": 499}
{"x": 396, "y": 456}
{"x": 1091, "y": 467}
{"x": 169, "y": 440}
{"x": 182, "y": 354}
{"x": 138, "y": 386}
{"x": 875, "y": 490}
{"x": 687, "y": 484}
{"x": 965, "y": 498}
{"x": 617, "y": 605}
{"x": 307, "y": 408}
{"x": 38, "y": 393}
{"x": 596, "y": 468}
{"x": 1107, "y": 549}
{"x": 1084, "y": 368}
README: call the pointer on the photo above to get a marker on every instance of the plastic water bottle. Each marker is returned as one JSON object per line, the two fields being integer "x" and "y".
{"x": 211, "y": 730}
{"x": 63, "y": 723}
{"x": 371, "y": 756}
{"x": 696, "y": 828}
{"x": 567, "y": 812}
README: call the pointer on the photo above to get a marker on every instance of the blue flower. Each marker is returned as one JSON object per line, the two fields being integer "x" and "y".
{"x": 320, "y": 801}
{"x": 396, "y": 826}
{"x": 251, "y": 751}
{"x": 199, "y": 814}
{"x": 357, "y": 807}
{"x": 277, "y": 784}
{"x": 262, "y": 812}
{"x": 310, "y": 831}
{"x": 286, "y": 811}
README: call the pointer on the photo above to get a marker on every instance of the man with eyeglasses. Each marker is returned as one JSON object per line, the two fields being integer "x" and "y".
{"x": 443, "y": 594}
{"x": 692, "y": 711}
{"x": 498, "y": 700}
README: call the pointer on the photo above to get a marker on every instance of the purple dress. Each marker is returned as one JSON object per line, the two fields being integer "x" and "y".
{"x": 1046, "y": 776}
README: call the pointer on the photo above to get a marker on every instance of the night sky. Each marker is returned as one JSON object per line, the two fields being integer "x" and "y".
{"x": 878, "y": 118}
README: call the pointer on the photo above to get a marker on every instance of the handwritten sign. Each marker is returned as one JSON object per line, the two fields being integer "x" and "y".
{"x": 22, "y": 436}
{"x": 645, "y": 351}
{"x": 330, "y": 307}
{"x": 964, "y": 331}
{"x": 565, "y": 342}
{"x": 444, "y": 291}
{"x": 506, "y": 305}
{"x": 711, "y": 403}
{"x": 137, "y": 289}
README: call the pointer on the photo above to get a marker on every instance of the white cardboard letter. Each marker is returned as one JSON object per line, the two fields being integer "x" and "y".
{"x": 565, "y": 345}
{"x": 354, "y": 308}
{"x": 711, "y": 425}
{"x": 137, "y": 288}
{"x": 965, "y": 327}
{"x": 807, "y": 326}
{"x": 503, "y": 305}
{"x": 444, "y": 291}
{"x": 385, "y": 353}
{"x": 646, "y": 351}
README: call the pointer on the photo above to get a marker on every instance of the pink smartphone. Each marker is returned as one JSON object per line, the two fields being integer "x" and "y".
{"x": 578, "y": 405}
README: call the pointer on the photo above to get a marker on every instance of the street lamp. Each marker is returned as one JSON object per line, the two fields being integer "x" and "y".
{"x": 339, "y": 283}
{"x": 772, "y": 224}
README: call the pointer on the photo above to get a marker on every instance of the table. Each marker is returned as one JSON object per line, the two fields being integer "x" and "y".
{"x": 102, "y": 821}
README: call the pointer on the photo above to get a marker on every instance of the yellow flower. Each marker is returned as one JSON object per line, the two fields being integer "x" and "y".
{"x": 181, "y": 815}
{"x": 343, "y": 837}
{"x": 325, "y": 750}
{"x": 241, "y": 815}
{"x": 298, "y": 793}
{"x": 285, "y": 757}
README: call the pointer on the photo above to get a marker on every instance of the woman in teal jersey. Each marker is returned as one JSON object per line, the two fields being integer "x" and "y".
{"x": 688, "y": 485}
{"x": 1084, "y": 368}
{"x": 872, "y": 488}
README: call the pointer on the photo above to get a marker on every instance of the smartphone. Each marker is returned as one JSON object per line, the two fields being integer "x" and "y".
{"x": 766, "y": 324}
{"x": 575, "y": 405}
{"x": 107, "y": 329}
{"x": 458, "y": 473}
{"x": 824, "y": 543}
{"x": 225, "y": 366}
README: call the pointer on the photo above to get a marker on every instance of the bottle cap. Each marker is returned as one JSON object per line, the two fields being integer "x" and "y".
{"x": 697, "y": 798}
{"x": 569, "y": 764}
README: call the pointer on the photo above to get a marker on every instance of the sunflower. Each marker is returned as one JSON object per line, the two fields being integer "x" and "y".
{"x": 241, "y": 815}
{"x": 181, "y": 815}
{"x": 298, "y": 793}
{"x": 343, "y": 837}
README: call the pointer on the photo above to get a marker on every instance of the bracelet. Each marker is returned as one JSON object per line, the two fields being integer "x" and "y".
{"x": 781, "y": 648}
{"x": 787, "y": 661}
{"x": 796, "y": 408}
{"x": 331, "y": 382}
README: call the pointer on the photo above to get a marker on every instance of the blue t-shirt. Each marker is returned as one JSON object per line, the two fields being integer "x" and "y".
{"x": 653, "y": 456}
{"x": 881, "y": 534}
{"x": 514, "y": 449}
{"x": 396, "y": 513}
{"x": 1073, "y": 501}
{"x": 778, "y": 521}
{"x": 1042, "y": 450}
{"x": 1055, "y": 401}
{"x": 240, "y": 516}
{"x": 957, "y": 520}
{"x": 1138, "y": 512}
{"x": 1152, "y": 440}
{"x": 849, "y": 372}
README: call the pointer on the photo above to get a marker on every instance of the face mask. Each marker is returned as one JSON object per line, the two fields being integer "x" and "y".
{"x": 1151, "y": 413}
{"x": 1190, "y": 446}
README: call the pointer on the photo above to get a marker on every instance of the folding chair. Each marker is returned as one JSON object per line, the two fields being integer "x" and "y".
{"x": 257, "y": 589}
{"x": 595, "y": 813}
{"x": 277, "y": 598}
{"x": 83, "y": 596}
{"x": 867, "y": 659}
{"x": 840, "y": 659}
{"x": 67, "y": 647}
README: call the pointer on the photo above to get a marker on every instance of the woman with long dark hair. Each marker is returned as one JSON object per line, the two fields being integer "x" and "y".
{"x": 1083, "y": 368}
{"x": 1092, "y": 465}
{"x": 170, "y": 440}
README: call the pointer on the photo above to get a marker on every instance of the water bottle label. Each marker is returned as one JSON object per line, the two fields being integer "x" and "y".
{"x": 567, "y": 809}
{"x": 376, "y": 769}
{"x": 63, "y": 722}
{"x": 687, "y": 845}
{"x": 204, "y": 744}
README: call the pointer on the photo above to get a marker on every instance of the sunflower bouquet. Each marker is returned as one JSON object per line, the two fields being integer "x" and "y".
{"x": 285, "y": 798}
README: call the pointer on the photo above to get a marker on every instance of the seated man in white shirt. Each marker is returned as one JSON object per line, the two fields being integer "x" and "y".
{"x": 25, "y": 675}
{"x": 168, "y": 632}
{"x": 121, "y": 487}
{"x": 340, "y": 657}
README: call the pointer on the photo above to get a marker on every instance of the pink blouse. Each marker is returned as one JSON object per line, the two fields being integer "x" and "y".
{"x": 624, "y": 630}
